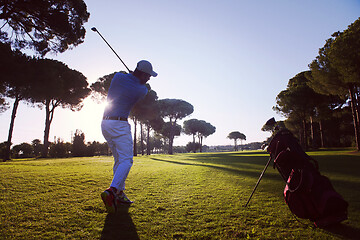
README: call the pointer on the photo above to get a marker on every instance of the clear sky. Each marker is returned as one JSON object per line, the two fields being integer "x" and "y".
{"x": 228, "y": 58}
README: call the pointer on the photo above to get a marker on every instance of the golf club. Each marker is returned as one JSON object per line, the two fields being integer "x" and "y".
{"x": 262, "y": 174}
{"x": 271, "y": 123}
{"x": 95, "y": 30}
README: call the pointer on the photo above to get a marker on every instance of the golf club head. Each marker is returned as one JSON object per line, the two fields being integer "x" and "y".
{"x": 271, "y": 122}
{"x": 94, "y": 29}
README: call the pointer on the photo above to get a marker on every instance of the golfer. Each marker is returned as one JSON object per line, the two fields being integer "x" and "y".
{"x": 124, "y": 91}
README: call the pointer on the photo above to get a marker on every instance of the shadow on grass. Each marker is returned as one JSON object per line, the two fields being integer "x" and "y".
{"x": 119, "y": 226}
{"x": 253, "y": 174}
{"x": 344, "y": 231}
{"x": 235, "y": 163}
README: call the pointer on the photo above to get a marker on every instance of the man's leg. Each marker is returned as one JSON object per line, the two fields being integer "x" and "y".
{"x": 112, "y": 147}
{"x": 109, "y": 196}
{"x": 118, "y": 136}
{"x": 123, "y": 145}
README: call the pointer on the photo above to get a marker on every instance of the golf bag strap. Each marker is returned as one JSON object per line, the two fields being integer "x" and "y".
{"x": 277, "y": 166}
{"x": 300, "y": 182}
{"x": 276, "y": 155}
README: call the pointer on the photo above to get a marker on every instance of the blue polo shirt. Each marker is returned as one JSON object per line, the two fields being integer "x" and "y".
{"x": 124, "y": 91}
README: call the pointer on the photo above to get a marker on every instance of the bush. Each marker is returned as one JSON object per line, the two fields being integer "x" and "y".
{"x": 23, "y": 150}
{"x": 60, "y": 150}
{"x": 192, "y": 147}
{"x": 79, "y": 147}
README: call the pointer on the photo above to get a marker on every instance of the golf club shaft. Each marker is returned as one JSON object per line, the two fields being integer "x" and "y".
{"x": 262, "y": 174}
{"x": 95, "y": 30}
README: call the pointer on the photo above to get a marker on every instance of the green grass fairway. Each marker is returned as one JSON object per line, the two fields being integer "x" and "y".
{"x": 185, "y": 196}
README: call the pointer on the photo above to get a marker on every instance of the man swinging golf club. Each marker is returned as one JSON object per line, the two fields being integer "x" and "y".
{"x": 124, "y": 91}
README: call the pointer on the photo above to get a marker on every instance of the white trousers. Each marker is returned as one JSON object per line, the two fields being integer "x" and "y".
{"x": 118, "y": 136}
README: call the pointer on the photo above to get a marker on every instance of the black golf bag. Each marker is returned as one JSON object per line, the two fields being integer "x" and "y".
{"x": 308, "y": 194}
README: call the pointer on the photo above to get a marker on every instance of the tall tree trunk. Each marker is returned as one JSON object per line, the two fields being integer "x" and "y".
{"x": 301, "y": 136}
{"x": 305, "y": 135}
{"x": 200, "y": 142}
{"x": 235, "y": 140}
{"x": 355, "y": 120}
{"x": 11, "y": 128}
{"x": 194, "y": 145}
{"x": 356, "y": 95}
{"x": 171, "y": 137}
{"x": 45, "y": 150}
{"x": 148, "y": 141}
{"x": 171, "y": 141}
{"x": 50, "y": 106}
{"x": 321, "y": 134}
{"x": 142, "y": 138}
{"x": 134, "y": 143}
{"x": 312, "y": 132}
